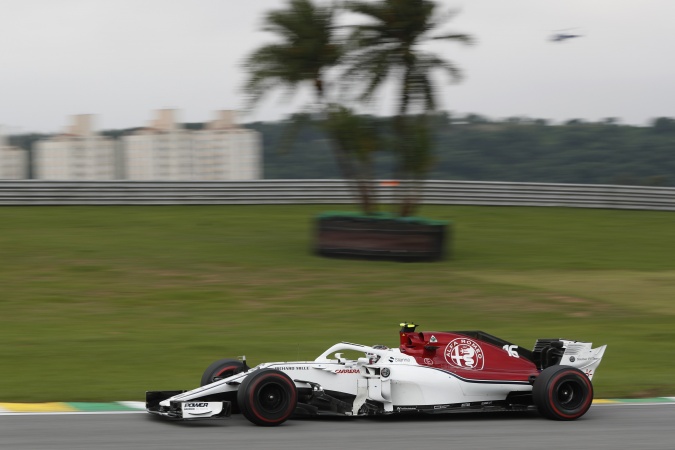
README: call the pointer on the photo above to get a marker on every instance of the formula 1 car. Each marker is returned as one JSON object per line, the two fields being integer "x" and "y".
{"x": 431, "y": 372}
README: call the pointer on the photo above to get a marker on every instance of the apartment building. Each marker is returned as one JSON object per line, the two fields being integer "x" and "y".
{"x": 225, "y": 151}
{"x": 160, "y": 151}
{"x": 78, "y": 154}
{"x": 165, "y": 151}
{"x": 13, "y": 161}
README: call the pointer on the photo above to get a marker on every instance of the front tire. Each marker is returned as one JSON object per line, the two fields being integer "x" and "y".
{"x": 267, "y": 397}
{"x": 562, "y": 393}
{"x": 222, "y": 368}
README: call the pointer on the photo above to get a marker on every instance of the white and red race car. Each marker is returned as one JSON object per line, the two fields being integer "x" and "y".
{"x": 430, "y": 372}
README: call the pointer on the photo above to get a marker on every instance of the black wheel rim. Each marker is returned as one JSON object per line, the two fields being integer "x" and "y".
{"x": 271, "y": 398}
{"x": 570, "y": 394}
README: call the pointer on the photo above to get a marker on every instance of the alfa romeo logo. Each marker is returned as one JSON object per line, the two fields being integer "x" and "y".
{"x": 465, "y": 353}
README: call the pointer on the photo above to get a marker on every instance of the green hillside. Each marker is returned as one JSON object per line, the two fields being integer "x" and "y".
{"x": 518, "y": 149}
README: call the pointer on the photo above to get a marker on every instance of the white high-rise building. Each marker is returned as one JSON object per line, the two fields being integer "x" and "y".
{"x": 225, "y": 151}
{"x": 78, "y": 154}
{"x": 165, "y": 151}
{"x": 160, "y": 151}
{"x": 13, "y": 161}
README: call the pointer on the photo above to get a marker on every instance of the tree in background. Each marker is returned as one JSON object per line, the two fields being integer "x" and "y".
{"x": 308, "y": 48}
{"x": 389, "y": 46}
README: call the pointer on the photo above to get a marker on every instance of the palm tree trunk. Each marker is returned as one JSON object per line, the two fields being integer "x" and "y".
{"x": 403, "y": 131}
{"x": 359, "y": 183}
{"x": 360, "y": 188}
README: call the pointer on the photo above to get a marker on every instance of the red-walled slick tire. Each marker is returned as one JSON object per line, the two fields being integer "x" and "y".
{"x": 224, "y": 368}
{"x": 267, "y": 397}
{"x": 220, "y": 369}
{"x": 562, "y": 393}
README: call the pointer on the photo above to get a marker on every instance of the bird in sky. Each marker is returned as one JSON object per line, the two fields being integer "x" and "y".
{"x": 563, "y": 35}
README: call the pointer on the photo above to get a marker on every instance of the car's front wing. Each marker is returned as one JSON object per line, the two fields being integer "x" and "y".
{"x": 185, "y": 410}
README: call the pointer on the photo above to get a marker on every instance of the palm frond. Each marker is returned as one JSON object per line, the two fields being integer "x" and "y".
{"x": 391, "y": 37}
{"x": 430, "y": 61}
{"x": 306, "y": 48}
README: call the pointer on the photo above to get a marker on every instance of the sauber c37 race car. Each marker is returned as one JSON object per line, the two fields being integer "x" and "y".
{"x": 431, "y": 372}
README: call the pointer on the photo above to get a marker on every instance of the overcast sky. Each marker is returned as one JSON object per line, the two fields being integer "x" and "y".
{"x": 122, "y": 59}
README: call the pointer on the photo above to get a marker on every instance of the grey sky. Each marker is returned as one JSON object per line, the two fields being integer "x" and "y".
{"x": 121, "y": 59}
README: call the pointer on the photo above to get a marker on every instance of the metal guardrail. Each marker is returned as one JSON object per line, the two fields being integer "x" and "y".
{"x": 34, "y": 192}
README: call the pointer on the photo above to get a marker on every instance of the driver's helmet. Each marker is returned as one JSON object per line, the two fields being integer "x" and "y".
{"x": 372, "y": 357}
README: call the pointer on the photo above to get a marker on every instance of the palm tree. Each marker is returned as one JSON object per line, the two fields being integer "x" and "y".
{"x": 389, "y": 45}
{"x": 308, "y": 48}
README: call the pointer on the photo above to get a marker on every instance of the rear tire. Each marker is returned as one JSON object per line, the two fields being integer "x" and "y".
{"x": 562, "y": 393}
{"x": 267, "y": 397}
{"x": 220, "y": 369}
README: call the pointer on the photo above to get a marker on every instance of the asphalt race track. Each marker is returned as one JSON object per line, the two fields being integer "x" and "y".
{"x": 603, "y": 427}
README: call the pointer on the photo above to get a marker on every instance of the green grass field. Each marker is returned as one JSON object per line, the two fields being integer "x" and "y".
{"x": 103, "y": 303}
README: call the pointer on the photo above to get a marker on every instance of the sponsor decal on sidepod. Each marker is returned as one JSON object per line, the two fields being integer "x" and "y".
{"x": 465, "y": 353}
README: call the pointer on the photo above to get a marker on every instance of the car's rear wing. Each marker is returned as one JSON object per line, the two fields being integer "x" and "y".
{"x": 582, "y": 356}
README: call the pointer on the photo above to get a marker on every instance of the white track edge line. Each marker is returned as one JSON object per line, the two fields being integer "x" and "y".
{"x": 68, "y": 413}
